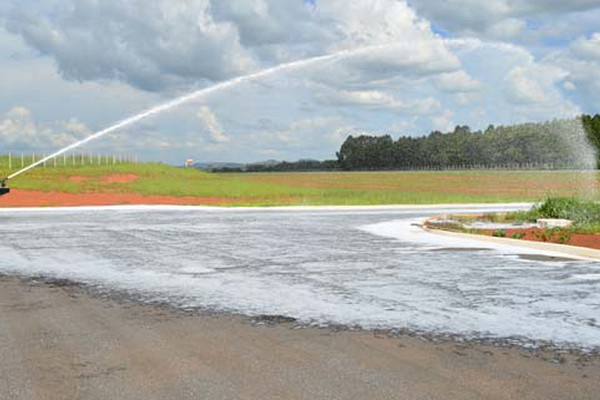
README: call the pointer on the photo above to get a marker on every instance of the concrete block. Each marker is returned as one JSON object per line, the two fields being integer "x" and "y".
{"x": 554, "y": 223}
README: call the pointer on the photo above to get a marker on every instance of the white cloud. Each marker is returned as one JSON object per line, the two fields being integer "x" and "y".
{"x": 151, "y": 45}
{"x": 570, "y": 86}
{"x": 524, "y": 86}
{"x": 535, "y": 90}
{"x": 457, "y": 82}
{"x": 444, "y": 122}
{"x": 160, "y": 46}
{"x": 587, "y": 48}
{"x": 19, "y": 131}
{"x": 312, "y": 135}
{"x": 305, "y": 131}
{"x": 581, "y": 61}
{"x": 508, "y": 29}
{"x": 499, "y": 17}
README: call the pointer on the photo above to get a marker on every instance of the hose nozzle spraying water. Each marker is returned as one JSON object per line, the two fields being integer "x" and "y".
{"x": 3, "y": 189}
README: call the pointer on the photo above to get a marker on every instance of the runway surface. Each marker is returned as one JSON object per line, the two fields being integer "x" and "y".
{"x": 360, "y": 267}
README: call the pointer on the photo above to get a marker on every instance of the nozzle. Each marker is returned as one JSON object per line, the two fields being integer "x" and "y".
{"x": 3, "y": 182}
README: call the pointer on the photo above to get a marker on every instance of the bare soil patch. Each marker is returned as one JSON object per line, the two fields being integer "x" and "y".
{"x": 27, "y": 198}
{"x": 120, "y": 178}
{"x": 591, "y": 241}
{"x": 78, "y": 179}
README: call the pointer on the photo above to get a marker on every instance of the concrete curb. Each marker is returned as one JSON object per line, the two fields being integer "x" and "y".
{"x": 580, "y": 253}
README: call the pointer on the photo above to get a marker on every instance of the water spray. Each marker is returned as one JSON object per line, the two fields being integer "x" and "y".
{"x": 196, "y": 95}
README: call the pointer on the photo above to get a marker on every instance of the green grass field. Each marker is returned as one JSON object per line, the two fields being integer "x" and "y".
{"x": 322, "y": 188}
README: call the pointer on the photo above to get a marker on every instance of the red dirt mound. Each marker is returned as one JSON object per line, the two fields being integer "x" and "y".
{"x": 120, "y": 178}
{"x": 76, "y": 178}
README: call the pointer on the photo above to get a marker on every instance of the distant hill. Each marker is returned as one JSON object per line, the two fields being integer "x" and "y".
{"x": 209, "y": 166}
{"x": 232, "y": 166}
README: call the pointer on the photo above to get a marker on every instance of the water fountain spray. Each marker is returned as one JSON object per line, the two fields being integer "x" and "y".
{"x": 201, "y": 93}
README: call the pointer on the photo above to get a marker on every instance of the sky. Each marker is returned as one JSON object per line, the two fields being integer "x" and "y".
{"x": 72, "y": 67}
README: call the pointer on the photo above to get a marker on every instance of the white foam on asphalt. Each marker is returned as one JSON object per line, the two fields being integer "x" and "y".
{"x": 410, "y": 231}
{"x": 361, "y": 267}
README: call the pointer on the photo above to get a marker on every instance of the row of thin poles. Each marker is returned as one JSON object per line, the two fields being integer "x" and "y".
{"x": 22, "y": 160}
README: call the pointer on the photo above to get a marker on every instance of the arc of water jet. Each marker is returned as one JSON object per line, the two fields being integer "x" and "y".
{"x": 203, "y": 92}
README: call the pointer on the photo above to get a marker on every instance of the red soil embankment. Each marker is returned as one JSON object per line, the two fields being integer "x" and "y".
{"x": 28, "y": 198}
{"x": 591, "y": 241}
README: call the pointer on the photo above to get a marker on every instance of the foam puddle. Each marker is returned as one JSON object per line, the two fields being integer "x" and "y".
{"x": 410, "y": 231}
{"x": 361, "y": 267}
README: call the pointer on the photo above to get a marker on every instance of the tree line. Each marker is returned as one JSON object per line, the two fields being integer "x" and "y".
{"x": 557, "y": 144}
